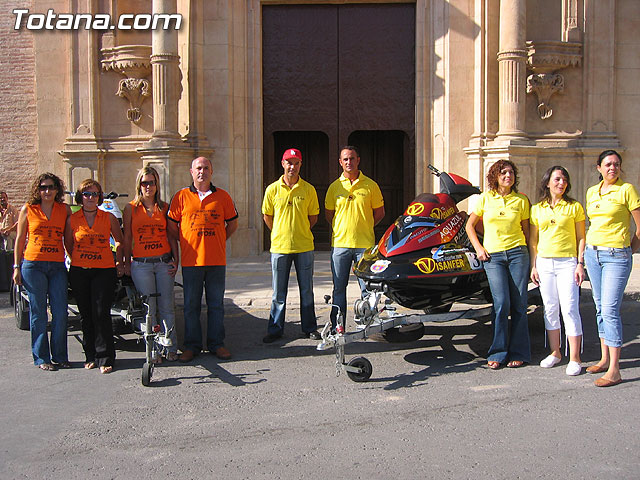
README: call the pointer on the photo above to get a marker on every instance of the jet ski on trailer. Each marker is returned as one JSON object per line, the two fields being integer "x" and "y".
{"x": 424, "y": 261}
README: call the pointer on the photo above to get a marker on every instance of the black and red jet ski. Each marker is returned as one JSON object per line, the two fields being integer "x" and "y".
{"x": 425, "y": 259}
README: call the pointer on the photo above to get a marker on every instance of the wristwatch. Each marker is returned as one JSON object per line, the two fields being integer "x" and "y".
{"x": 15, "y": 265}
{"x": 581, "y": 263}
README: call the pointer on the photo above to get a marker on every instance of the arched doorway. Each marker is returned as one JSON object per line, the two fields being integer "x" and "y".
{"x": 335, "y": 75}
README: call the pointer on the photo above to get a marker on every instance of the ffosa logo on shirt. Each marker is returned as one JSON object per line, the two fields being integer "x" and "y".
{"x": 98, "y": 21}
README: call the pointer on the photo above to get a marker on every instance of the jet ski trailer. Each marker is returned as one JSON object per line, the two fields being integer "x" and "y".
{"x": 374, "y": 316}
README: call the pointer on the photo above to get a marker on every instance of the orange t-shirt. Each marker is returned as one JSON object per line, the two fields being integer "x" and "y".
{"x": 149, "y": 232}
{"x": 91, "y": 245}
{"x": 45, "y": 234}
{"x": 202, "y": 225}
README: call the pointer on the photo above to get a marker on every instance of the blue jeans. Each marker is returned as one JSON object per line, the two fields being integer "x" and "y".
{"x": 42, "y": 280}
{"x": 280, "y": 269}
{"x": 212, "y": 278}
{"x": 609, "y": 272}
{"x": 154, "y": 278}
{"x": 341, "y": 261}
{"x": 508, "y": 275}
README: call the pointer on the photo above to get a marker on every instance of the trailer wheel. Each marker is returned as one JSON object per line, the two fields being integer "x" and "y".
{"x": 404, "y": 334}
{"x": 21, "y": 309}
{"x": 364, "y": 365}
{"x": 147, "y": 372}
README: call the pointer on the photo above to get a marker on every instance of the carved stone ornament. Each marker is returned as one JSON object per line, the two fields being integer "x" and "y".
{"x": 544, "y": 85}
{"x": 545, "y": 59}
{"x": 132, "y": 61}
{"x": 136, "y": 90}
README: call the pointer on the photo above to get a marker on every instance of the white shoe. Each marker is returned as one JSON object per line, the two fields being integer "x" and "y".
{"x": 549, "y": 361}
{"x": 573, "y": 368}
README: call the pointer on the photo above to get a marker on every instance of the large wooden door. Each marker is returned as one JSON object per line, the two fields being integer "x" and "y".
{"x": 335, "y": 75}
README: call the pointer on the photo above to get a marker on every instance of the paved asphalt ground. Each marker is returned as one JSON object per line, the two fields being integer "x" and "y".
{"x": 431, "y": 409}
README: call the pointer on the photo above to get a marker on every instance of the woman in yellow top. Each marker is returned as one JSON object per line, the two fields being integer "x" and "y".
{"x": 505, "y": 216}
{"x": 40, "y": 268}
{"x": 610, "y": 204}
{"x": 556, "y": 247}
{"x": 150, "y": 253}
{"x": 93, "y": 272}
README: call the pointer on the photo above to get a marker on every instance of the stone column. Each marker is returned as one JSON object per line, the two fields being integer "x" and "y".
{"x": 166, "y": 76}
{"x": 512, "y": 59}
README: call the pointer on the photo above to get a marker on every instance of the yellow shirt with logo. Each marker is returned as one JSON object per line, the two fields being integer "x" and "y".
{"x": 609, "y": 214}
{"x": 557, "y": 228}
{"x": 501, "y": 217}
{"x": 352, "y": 225}
{"x": 291, "y": 208}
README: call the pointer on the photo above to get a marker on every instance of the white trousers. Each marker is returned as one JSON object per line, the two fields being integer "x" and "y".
{"x": 560, "y": 294}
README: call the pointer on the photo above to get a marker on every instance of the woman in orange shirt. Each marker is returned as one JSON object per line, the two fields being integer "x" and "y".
{"x": 40, "y": 268}
{"x": 153, "y": 266}
{"x": 94, "y": 272}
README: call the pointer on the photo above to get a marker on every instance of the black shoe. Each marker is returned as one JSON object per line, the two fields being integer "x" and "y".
{"x": 270, "y": 338}
{"x": 313, "y": 335}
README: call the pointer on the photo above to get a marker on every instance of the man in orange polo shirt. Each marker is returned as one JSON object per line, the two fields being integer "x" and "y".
{"x": 203, "y": 218}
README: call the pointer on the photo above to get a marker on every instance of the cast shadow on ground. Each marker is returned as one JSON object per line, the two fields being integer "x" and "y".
{"x": 445, "y": 348}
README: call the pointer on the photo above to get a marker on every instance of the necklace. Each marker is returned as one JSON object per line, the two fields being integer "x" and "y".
{"x": 89, "y": 211}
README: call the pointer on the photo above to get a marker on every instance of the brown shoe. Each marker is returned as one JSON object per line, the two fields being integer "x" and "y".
{"x": 596, "y": 369}
{"x": 186, "y": 356}
{"x": 222, "y": 353}
{"x": 603, "y": 382}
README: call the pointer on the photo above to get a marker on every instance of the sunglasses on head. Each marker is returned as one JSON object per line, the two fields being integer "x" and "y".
{"x": 90, "y": 194}
{"x": 148, "y": 183}
{"x": 44, "y": 188}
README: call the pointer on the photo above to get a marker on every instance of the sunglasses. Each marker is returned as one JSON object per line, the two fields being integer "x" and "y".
{"x": 44, "y": 188}
{"x": 148, "y": 183}
{"x": 90, "y": 194}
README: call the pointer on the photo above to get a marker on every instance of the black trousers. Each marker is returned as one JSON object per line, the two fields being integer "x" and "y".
{"x": 93, "y": 289}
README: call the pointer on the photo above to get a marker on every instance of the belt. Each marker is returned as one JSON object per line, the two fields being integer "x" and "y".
{"x": 166, "y": 258}
{"x": 603, "y": 249}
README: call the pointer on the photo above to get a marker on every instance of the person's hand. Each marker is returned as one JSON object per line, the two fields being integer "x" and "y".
{"x": 535, "y": 278}
{"x": 17, "y": 276}
{"x": 483, "y": 255}
{"x": 127, "y": 269}
{"x": 120, "y": 269}
{"x": 173, "y": 268}
{"x": 579, "y": 274}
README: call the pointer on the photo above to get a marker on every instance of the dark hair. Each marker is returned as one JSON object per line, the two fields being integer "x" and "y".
{"x": 543, "y": 190}
{"x": 494, "y": 171}
{"x": 350, "y": 147}
{"x": 34, "y": 194}
{"x": 88, "y": 183}
{"x": 604, "y": 155}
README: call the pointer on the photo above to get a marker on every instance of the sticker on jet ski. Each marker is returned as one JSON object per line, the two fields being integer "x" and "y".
{"x": 379, "y": 266}
{"x": 428, "y": 265}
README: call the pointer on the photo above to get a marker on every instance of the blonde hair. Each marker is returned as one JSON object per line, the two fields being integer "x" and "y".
{"x": 141, "y": 173}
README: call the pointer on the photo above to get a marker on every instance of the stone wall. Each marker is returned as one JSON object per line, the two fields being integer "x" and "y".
{"x": 18, "y": 116}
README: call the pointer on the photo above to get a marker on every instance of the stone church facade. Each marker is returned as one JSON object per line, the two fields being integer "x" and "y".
{"x": 453, "y": 83}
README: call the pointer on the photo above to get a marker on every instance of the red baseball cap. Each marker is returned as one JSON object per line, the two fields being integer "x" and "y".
{"x": 292, "y": 153}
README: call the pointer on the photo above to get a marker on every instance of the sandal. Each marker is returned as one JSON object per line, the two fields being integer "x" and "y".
{"x": 515, "y": 363}
{"x": 47, "y": 367}
{"x": 90, "y": 365}
{"x": 493, "y": 365}
{"x": 106, "y": 369}
{"x": 172, "y": 356}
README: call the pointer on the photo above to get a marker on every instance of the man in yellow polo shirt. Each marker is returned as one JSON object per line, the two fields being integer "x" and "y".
{"x": 290, "y": 209}
{"x": 353, "y": 206}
